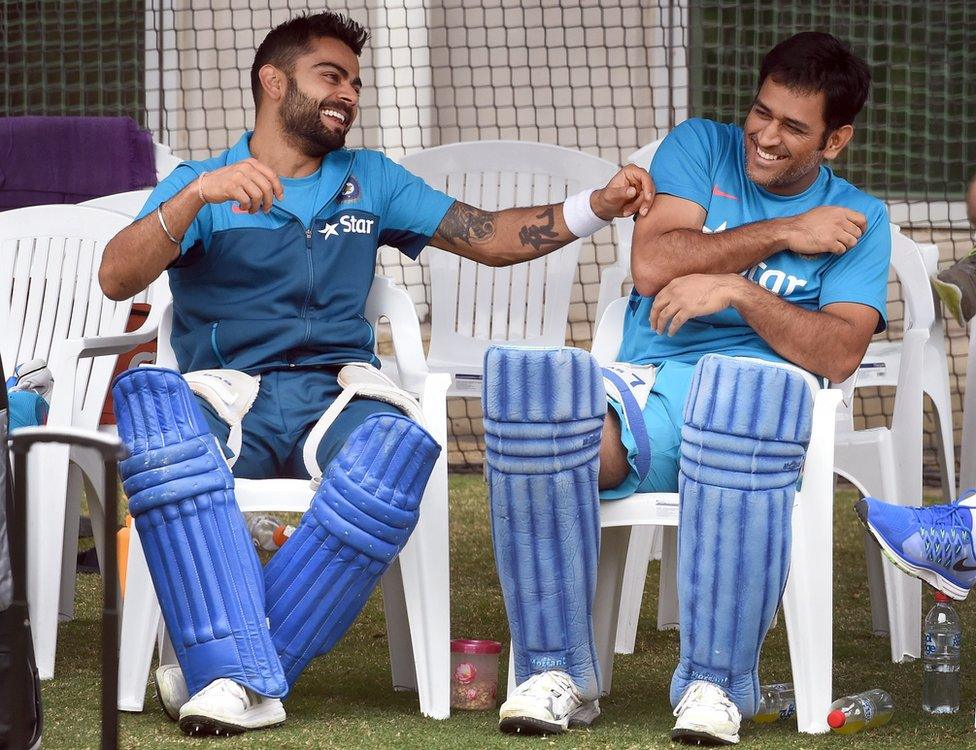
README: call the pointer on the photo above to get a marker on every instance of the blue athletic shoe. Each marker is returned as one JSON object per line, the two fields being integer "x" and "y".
{"x": 934, "y": 544}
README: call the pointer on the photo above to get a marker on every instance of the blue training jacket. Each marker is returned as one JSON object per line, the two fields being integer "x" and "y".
{"x": 266, "y": 291}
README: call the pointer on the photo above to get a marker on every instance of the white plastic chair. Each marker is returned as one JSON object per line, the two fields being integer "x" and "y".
{"x": 887, "y": 462}
{"x": 808, "y": 600}
{"x": 131, "y": 202}
{"x": 474, "y": 306}
{"x": 879, "y": 462}
{"x": 967, "y": 457}
{"x": 881, "y": 363}
{"x": 53, "y": 307}
{"x": 416, "y": 589}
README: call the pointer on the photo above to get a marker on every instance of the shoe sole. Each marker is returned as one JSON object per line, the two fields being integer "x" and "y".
{"x": 699, "y": 737}
{"x": 931, "y": 577}
{"x": 208, "y": 726}
{"x": 583, "y": 717}
{"x": 951, "y": 296}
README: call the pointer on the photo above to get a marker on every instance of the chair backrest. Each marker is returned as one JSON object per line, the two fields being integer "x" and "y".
{"x": 128, "y": 204}
{"x": 49, "y": 292}
{"x": 474, "y": 306}
{"x": 909, "y": 266}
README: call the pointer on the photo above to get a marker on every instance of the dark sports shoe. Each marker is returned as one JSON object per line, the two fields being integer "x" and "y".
{"x": 956, "y": 287}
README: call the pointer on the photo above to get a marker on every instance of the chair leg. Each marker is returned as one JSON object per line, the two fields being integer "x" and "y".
{"x": 425, "y": 572}
{"x": 808, "y": 607}
{"x": 876, "y": 586}
{"x": 614, "y": 541}
{"x": 398, "y": 629}
{"x": 46, "y": 493}
{"x": 946, "y": 448}
{"x": 69, "y": 548}
{"x": 140, "y": 625}
{"x": 667, "y": 598}
{"x": 642, "y": 540}
{"x": 904, "y": 592}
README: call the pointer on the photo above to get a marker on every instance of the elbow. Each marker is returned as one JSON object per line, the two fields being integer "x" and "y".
{"x": 648, "y": 278}
{"x": 111, "y": 286}
{"x": 840, "y": 370}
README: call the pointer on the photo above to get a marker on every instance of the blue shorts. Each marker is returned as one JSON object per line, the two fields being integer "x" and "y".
{"x": 288, "y": 405}
{"x": 663, "y": 417}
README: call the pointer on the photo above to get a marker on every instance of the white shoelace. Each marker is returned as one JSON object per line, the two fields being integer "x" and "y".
{"x": 555, "y": 685}
{"x": 702, "y": 692}
{"x": 227, "y": 688}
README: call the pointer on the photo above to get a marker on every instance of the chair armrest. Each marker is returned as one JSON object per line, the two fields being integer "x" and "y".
{"x": 390, "y": 302}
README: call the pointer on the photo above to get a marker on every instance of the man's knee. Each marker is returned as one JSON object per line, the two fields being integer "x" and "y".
{"x": 613, "y": 455}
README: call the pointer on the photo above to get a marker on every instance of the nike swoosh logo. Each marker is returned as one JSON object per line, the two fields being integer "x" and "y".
{"x": 722, "y": 193}
{"x": 961, "y": 567}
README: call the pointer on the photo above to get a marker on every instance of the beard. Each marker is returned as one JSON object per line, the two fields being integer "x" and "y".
{"x": 303, "y": 126}
{"x": 794, "y": 171}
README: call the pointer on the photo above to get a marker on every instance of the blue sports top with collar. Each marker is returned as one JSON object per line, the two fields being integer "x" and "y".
{"x": 257, "y": 292}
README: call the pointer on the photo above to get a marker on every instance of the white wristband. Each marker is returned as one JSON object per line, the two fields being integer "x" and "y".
{"x": 579, "y": 216}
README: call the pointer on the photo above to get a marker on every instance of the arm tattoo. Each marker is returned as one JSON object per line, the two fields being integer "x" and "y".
{"x": 467, "y": 224}
{"x": 542, "y": 236}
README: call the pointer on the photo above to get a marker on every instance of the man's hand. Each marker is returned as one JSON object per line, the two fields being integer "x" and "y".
{"x": 248, "y": 182}
{"x": 630, "y": 191}
{"x": 692, "y": 297}
{"x": 827, "y": 229}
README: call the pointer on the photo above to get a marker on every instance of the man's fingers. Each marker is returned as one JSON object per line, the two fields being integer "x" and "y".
{"x": 269, "y": 174}
{"x": 838, "y": 248}
{"x": 254, "y": 193}
{"x": 680, "y": 318}
{"x": 858, "y": 218}
{"x": 854, "y": 229}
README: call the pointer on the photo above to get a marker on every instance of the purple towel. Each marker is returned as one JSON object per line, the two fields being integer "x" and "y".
{"x": 71, "y": 159}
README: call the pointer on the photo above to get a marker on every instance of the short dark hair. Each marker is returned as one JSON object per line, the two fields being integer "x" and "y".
{"x": 291, "y": 39}
{"x": 813, "y": 61}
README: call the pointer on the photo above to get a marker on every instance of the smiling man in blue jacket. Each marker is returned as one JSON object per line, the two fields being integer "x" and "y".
{"x": 270, "y": 249}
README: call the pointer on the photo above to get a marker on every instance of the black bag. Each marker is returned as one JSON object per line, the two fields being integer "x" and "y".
{"x": 17, "y": 696}
{"x": 18, "y": 674}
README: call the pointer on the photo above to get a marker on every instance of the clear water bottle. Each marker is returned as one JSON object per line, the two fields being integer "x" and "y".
{"x": 775, "y": 702}
{"x": 855, "y": 713}
{"x": 267, "y": 532}
{"x": 941, "y": 640}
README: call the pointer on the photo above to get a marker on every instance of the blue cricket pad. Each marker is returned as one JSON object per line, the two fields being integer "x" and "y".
{"x": 203, "y": 565}
{"x": 544, "y": 412}
{"x": 746, "y": 430}
{"x": 359, "y": 520}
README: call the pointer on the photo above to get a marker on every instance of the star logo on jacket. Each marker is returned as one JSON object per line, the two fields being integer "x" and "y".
{"x": 330, "y": 230}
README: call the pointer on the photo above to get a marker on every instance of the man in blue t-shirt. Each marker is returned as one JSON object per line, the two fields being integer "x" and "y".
{"x": 270, "y": 248}
{"x": 753, "y": 248}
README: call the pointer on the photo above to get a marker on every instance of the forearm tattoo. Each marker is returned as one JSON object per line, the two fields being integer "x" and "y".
{"x": 542, "y": 236}
{"x": 467, "y": 224}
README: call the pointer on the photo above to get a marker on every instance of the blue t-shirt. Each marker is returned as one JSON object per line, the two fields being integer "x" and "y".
{"x": 704, "y": 162}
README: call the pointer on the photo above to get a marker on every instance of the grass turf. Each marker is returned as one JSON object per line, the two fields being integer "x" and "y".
{"x": 344, "y": 700}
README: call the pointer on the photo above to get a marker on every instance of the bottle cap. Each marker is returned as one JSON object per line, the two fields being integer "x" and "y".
{"x": 836, "y": 719}
{"x": 940, "y": 597}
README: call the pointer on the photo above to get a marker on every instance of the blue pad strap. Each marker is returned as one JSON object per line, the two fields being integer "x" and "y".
{"x": 746, "y": 429}
{"x": 203, "y": 565}
{"x": 359, "y": 520}
{"x": 544, "y": 412}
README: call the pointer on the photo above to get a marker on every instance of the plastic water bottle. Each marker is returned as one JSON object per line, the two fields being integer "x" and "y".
{"x": 941, "y": 640}
{"x": 854, "y": 713}
{"x": 775, "y": 702}
{"x": 267, "y": 532}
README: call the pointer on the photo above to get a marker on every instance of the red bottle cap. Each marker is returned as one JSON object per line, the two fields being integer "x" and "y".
{"x": 940, "y": 597}
{"x": 471, "y": 646}
{"x": 836, "y": 719}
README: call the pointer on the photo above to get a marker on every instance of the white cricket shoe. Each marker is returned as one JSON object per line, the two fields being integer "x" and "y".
{"x": 224, "y": 707}
{"x": 546, "y": 703}
{"x": 706, "y": 716}
{"x": 171, "y": 689}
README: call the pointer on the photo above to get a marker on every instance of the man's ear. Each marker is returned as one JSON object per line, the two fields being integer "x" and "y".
{"x": 273, "y": 82}
{"x": 837, "y": 140}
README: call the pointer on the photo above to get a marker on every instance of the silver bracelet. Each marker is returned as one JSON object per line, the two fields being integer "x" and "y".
{"x": 162, "y": 223}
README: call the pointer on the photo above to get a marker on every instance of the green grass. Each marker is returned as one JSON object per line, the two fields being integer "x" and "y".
{"x": 344, "y": 700}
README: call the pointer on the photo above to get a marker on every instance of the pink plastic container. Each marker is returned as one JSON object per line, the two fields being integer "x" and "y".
{"x": 474, "y": 674}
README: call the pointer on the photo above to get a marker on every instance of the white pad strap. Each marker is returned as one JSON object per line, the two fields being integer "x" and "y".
{"x": 365, "y": 381}
{"x": 231, "y": 393}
